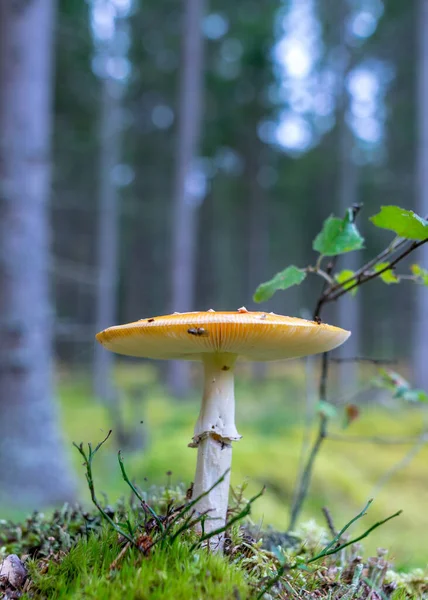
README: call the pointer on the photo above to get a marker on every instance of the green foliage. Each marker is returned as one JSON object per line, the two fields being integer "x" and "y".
{"x": 346, "y": 275}
{"x": 399, "y": 387}
{"x": 404, "y": 223}
{"x": 338, "y": 236}
{"x": 420, "y": 273}
{"x": 327, "y": 409}
{"x": 290, "y": 276}
{"x": 387, "y": 276}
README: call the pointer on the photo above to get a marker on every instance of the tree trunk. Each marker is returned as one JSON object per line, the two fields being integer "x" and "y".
{"x": 258, "y": 230}
{"x": 33, "y": 466}
{"x": 348, "y": 307}
{"x": 186, "y": 197}
{"x": 258, "y": 236}
{"x": 421, "y": 333}
{"x": 108, "y": 228}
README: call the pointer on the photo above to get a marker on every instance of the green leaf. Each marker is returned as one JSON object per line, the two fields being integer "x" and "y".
{"x": 344, "y": 276}
{"x": 283, "y": 280}
{"x": 326, "y": 409}
{"x": 391, "y": 380}
{"x": 414, "y": 396}
{"x": 399, "y": 387}
{"x": 387, "y": 276}
{"x": 421, "y": 273}
{"x": 404, "y": 223}
{"x": 338, "y": 236}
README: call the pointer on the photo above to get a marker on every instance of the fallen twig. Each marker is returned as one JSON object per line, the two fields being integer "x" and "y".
{"x": 119, "y": 557}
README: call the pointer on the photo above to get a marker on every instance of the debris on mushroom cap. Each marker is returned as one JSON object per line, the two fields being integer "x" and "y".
{"x": 242, "y": 309}
{"x": 248, "y": 335}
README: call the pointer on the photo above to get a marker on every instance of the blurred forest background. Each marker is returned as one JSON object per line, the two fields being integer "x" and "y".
{"x": 160, "y": 156}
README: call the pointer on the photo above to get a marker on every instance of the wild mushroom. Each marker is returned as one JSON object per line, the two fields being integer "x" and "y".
{"x": 219, "y": 339}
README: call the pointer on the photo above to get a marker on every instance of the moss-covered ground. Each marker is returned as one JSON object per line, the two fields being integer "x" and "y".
{"x": 173, "y": 572}
{"x": 74, "y": 554}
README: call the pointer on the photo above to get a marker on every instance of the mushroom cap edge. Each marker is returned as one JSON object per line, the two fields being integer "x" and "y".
{"x": 253, "y": 336}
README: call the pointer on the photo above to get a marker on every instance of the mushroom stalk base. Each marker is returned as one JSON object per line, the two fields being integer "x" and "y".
{"x": 214, "y": 459}
{"x": 214, "y": 432}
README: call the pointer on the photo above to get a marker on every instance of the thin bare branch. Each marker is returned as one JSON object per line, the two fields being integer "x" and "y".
{"x": 401, "y": 464}
{"x": 307, "y": 473}
{"x": 364, "y": 359}
{"x": 376, "y": 440}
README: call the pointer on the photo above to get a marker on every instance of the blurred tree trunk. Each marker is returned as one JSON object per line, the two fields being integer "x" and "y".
{"x": 348, "y": 306}
{"x": 186, "y": 195}
{"x": 33, "y": 466}
{"x": 347, "y": 191}
{"x": 108, "y": 228}
{"x": 421, "y": 338}
{"x": 258, "y": 232}
{"x": 258, "y": 226}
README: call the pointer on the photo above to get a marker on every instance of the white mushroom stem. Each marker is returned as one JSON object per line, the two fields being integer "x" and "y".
{"x": 214, "y": 432}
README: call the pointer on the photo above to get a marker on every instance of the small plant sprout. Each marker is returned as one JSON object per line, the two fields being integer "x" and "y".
{"x": 219, "y": 340}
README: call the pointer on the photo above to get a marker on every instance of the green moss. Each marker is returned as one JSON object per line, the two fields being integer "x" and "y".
{"x": 72, "y": 554}
{"x": 170, "y": 572}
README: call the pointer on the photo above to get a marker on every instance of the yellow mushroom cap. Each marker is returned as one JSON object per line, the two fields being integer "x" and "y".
{"x": 254, "y": 336}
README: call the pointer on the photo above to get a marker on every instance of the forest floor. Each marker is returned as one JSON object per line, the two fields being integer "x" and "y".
{"x": 73, "y": 555}
{"x": 153, "y": 431}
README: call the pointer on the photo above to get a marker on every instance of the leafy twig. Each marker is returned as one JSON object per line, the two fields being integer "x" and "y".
{"x": 88, "y": 458}
{"x": 244, "y": 512}
{"x": 137, "y": 492}
{"x": 395, "y": 245}
{"x": 368, "y": 276}
{"x": 336, "y": 549}
{"x": 324, "y": 274}
{"x": 332, "y": 547}
{"x": 331, "y": 292}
